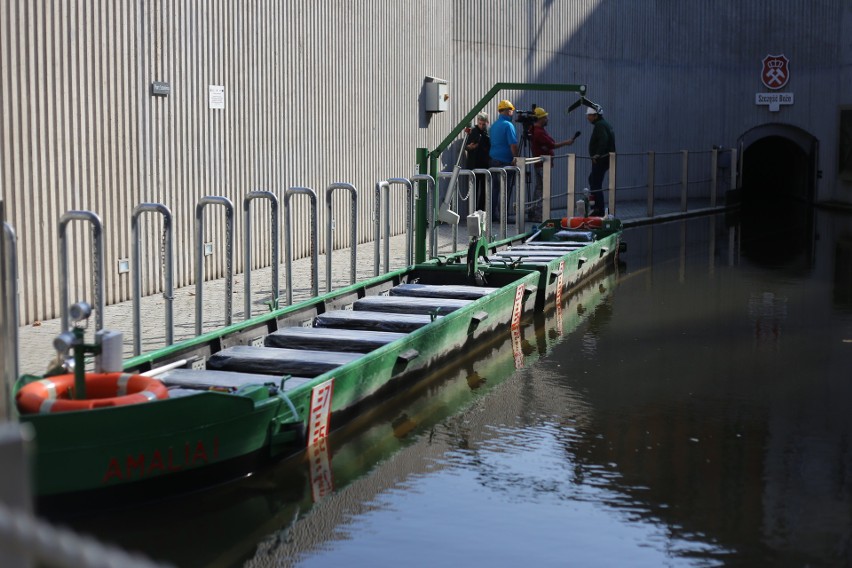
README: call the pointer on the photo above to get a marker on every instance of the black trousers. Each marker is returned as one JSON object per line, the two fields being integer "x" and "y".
{"x": 599, "y": 169}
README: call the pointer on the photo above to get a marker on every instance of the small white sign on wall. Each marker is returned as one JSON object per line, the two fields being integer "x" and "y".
{"x": 773, "y": 100}
{"x": 216, "y": 96}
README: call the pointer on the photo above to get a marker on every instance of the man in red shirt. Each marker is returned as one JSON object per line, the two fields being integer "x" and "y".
{"x": 541, "y": 144}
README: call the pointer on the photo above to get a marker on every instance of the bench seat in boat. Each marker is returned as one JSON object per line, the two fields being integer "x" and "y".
{"x": 208, "y": 379}
{"x": 350, "y": 340}
{"x": 554, "y": 247}
{"x": 408, "y": 305}
{"x": 372, "y": 321}
{"x": 524, "y": 257}
{"x": 457, "y": 292}
{"x": 277, "y": 361}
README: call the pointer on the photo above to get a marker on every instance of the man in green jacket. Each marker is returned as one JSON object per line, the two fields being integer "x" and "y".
{"x": 601, "y": 143}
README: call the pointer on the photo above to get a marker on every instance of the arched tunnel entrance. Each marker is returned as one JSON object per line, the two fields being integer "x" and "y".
{"x": 778, "y": 176}
{"x": 779, "y": 161}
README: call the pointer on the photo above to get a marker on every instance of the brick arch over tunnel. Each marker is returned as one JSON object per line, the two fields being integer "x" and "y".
{"x": 779, "y": 161}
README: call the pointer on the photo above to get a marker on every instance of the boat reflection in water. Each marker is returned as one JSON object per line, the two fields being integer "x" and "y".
{"x": 299, "y": 504}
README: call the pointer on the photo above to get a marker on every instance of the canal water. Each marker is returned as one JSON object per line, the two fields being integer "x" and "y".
{"x": 687, "y": 409}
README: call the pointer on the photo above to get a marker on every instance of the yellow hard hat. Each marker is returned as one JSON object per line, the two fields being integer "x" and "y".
{"x": 505, "y": 104}
{"x": 539, "y": 112}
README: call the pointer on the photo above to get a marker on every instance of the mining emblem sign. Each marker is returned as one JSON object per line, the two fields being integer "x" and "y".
{"x": 774, "y": 75}
{"x": 776, "y": 71}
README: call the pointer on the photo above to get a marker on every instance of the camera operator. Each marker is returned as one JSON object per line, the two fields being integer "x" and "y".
{"x": 542, "y": 144}
{"x": 504, "y": 150}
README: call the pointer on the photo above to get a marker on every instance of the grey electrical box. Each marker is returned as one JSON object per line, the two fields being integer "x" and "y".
{"x": 436, "y": 94}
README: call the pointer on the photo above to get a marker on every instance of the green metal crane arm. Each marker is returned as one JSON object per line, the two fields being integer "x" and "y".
{"x": 490, "y": 95}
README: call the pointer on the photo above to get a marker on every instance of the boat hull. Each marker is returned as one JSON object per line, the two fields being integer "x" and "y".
{"x": 199, "y": 437}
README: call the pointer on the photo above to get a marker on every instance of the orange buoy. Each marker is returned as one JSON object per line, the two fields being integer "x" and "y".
{"x": 54, "y": 394}
{"x": 582, "y": 222}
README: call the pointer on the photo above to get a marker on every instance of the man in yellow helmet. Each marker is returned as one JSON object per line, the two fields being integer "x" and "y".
{"x": 504, "y": 149}
{"x": 542, "y": 144}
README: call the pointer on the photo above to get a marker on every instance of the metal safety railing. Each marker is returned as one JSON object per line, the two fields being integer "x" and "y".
{"x": 691, "y": 177}
{"x": 9, "y": 287}
{"x": 247, "y": 250}
{"x": 288, "y": 239}
{"x": 431, "y": 201}
{"x": 97, "y": 265}
{"x": 379, "y": 237}
{"x": 353, "y": 231}
{"x": 200, "y": 254}
{"x": 168, "y": 272}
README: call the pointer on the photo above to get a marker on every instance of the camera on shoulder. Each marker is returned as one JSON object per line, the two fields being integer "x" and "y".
{"x": 526, "y": 117}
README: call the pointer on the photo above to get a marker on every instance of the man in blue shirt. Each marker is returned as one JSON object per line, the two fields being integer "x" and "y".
{"x": 504, "y": 149}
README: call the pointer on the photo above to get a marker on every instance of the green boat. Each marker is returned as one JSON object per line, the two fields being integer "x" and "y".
{"x": 390, "y": 439}
{"x": 219, "y": 405}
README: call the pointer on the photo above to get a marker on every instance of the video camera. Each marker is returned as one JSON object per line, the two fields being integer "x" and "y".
{"x": 526, "y": 117}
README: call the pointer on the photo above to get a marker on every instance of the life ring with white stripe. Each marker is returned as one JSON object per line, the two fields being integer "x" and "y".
{"x": 582, "y": 222}
{"x": 55, "y": 394}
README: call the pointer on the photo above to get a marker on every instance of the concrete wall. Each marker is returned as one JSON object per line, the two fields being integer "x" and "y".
{"x": 327, "y": 92}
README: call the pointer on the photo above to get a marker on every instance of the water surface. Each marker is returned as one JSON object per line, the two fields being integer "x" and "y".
{"x": 688, "y": 409}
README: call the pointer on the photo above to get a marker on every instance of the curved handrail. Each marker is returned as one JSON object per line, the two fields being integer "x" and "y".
{"x": 431, "y": 211}
{"x": 353, "y": 232}
{"x": 409, "y": 221}
{"x": 273, "y": 210}
{"x": 10, "y": 318}
{"x": 487, "y": 205}
{"x": 97, "y": 267}
{"x": 288, "y": 240}
{"x": 199, "y": 257}
{"x": 136, "y": 261}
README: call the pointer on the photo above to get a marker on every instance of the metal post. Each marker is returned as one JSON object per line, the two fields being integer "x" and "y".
{"x": 651, "y": 175}
{"x": 546, "y": 177}
{"x": 97, "y": 267}
{"x": 734, "y": 169}
{"x": 273, "y": 209}
{"x": 572, "y": 183}
{"x": 422, "y": 208}
{"x": 377, "y": 226}
{"x": 9, "y": 288}
{"x": 714, "y": 171}
{"x": 288, "y": 241}
{"x": 684, "y": 187}
{"x": 431, "y": 208}
{"x": 353, "y": 232}
{"x": 168, "y": 272}
{"x": 504, "y": 176}
{"x": 487, "y": 205}
{"x": 520, "y": 179}
{"x": 199, "y": 257}
{"x": 455, "y": 206}
{"x": 409, "y": 217}
{"x": 613, "y": 175}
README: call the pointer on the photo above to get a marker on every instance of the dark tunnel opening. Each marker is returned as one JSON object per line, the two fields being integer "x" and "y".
{"x": 776, "y": 203}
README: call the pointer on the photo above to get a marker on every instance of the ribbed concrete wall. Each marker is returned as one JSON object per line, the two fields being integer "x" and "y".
{"x": 328, "y": 92}
{"x": 315, "y": 93}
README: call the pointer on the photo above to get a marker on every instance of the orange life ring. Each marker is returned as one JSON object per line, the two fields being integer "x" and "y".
{"x": 54, "y": 394}
{"x": 582, "y": 222}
